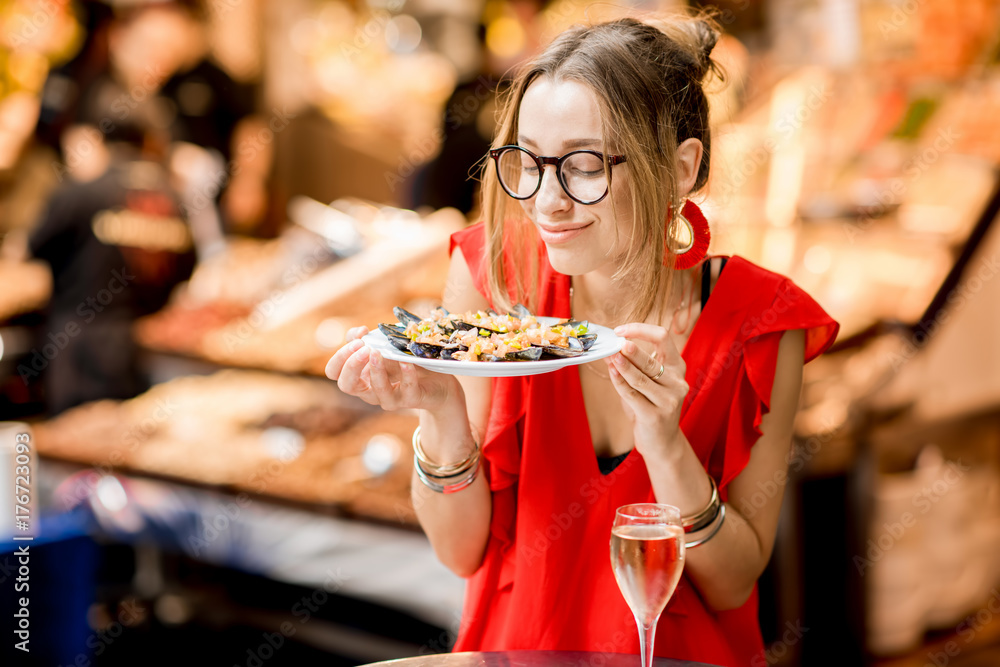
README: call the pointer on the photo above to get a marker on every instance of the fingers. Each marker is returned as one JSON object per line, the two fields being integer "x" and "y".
{"x": 350, "y": 379}
{"x": 384, "y": 381}
{"x": 356, "y": 332}
{"x": 632, "y": 384}
{"x": 335, "y": 366}
{"x": 409, "y": 388}
{"x": 641, "y": 360}
{"x": 646, "y": 396}
{"x": 659, "y": 336}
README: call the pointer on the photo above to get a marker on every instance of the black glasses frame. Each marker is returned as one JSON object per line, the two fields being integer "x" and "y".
{"x": 556, "y": 162}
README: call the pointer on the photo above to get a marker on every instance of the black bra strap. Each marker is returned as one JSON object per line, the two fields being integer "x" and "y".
{"x": 706, "y": 279}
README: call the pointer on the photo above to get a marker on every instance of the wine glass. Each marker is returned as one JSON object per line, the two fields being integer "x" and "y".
{"x": 647, "y": 556}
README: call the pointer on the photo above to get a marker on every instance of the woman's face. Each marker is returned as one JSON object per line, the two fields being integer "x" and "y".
{"x": 556, "y": 117}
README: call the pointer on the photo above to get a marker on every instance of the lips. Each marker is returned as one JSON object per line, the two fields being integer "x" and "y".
{"x": 561, "y": 234}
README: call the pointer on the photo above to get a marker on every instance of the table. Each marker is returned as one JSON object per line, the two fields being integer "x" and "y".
{"x": 533, "y": 659}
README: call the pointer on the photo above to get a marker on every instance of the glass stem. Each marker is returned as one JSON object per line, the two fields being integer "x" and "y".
{"x": 646, "y": 635}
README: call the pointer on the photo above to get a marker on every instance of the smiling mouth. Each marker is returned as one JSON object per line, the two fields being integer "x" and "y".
{"x": 561, "y": 234}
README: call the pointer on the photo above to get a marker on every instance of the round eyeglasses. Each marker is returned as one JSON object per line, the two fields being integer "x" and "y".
{"x": 581, "y": 173}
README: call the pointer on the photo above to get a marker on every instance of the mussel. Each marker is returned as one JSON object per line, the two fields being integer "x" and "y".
{"x": 405, "y": 317}
{"x": 575, "y": 349}
{"x": 426, "y": 350}
{"x": 520, "y": 312}
{"x": 527, "y": 354}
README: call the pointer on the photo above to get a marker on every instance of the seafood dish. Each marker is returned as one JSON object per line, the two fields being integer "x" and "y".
{"x": 487, "y": 336}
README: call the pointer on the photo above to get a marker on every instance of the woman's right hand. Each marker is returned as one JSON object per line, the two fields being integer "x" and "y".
{"x": 363, "y": 372}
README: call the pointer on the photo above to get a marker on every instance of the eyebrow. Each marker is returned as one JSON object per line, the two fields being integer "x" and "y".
{"x": 572, "y": 143}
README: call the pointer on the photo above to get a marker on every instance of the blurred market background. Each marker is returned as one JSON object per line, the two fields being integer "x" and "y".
{"x": 197, "y": 199}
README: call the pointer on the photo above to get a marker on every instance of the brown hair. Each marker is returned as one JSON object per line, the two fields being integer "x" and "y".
{"x": 648, "y": 81}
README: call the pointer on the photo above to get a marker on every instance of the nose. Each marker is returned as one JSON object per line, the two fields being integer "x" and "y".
{"x": 551, "y": 197}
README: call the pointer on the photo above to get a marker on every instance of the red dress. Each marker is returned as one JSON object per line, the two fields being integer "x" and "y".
{"x": 546, "y": 580}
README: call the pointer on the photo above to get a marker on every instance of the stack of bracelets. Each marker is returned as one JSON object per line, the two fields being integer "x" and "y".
{"x": 714, "y": 513}
{"x": 444, "y": 479}
{"x": 457, "y": 476}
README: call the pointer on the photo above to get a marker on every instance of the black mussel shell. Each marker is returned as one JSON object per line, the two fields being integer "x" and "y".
{"x": 527, "y": 354}
{"x": 401, "y": 343}
{"x": 404, "y": 316}
{"x": 551, "y": 351}
{"x": 520, "y": 312}
{"x": 575, "y": 323}
{"x": 424, "y": 350}
{"x": 391, "y": 330}
{"x": 575, "y": 349}
{"x": 588, "y": 341}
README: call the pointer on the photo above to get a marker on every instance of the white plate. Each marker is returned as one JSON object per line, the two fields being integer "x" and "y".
{"x": 607, "y": 343}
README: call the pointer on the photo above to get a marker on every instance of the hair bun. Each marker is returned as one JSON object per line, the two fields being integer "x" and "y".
{"x": 694, "y": 37}
{"x": 705, "y": 40}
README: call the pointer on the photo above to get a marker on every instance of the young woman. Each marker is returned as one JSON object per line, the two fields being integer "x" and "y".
{"x": 602, "y": 137}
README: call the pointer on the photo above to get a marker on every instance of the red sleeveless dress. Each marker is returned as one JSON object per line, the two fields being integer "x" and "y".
{"x": 546, "y": 579}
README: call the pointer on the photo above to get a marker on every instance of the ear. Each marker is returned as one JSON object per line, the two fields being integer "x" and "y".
{"x": 689, "y": 154}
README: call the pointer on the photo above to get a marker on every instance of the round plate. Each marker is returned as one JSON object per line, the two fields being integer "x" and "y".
{"x": 607, "y": 343}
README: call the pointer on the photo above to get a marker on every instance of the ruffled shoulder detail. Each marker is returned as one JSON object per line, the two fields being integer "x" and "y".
{"x": 777, "y": 305}
{"x": 767, "y": 304}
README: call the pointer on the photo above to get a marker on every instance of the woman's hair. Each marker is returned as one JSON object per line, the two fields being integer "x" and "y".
{"x": 648, "y": 81}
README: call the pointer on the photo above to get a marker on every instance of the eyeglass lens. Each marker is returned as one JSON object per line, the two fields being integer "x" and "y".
{"x": 582, "y": 174}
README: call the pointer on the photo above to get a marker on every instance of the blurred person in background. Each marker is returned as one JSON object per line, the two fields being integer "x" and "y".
{"x": 161, "y": 48}
{"x": 115, "y": 240}
{"x": 66, "y": 83}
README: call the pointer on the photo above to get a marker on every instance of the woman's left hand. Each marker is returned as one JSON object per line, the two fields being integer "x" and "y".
{"x": 651, "y": 385}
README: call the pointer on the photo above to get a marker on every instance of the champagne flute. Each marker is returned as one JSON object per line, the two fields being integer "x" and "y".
{"x": 647, "y": 556}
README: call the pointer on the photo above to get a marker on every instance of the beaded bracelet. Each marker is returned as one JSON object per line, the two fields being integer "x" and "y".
{"x": 718, "y": 527}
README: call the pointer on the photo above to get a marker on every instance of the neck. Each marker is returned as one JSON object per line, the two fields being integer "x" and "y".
{"x": 600, "y": 298}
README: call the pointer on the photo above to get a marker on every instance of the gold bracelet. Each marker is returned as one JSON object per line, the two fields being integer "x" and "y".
{"x": 438, "y": 487}
{"x": 437, "y": 471}
{"x": 705, "y": 517}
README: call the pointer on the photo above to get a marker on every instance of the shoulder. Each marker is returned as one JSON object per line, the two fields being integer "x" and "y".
{"x": 466, "y": 288}
{"x": 471, "y": 240}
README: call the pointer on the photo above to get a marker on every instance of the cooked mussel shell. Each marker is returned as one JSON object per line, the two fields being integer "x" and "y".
{"x": 401, "y": 343}
{"x": 405, "y": 317}
{"x": 527, "y": 354}
{"x": 425, "y": 350}
{"x": 575, "y": 349}
{"x": 552, "y": 351}
{"x": 588, "y": 341}
{"x": 391, "y": 330}
{"x": 520, "y": 312}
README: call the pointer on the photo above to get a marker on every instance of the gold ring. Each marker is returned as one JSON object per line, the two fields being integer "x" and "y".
{"x": 657, "y": 376}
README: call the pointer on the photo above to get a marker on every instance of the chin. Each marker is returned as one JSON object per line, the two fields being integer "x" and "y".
{"x": 569, "y": 262}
